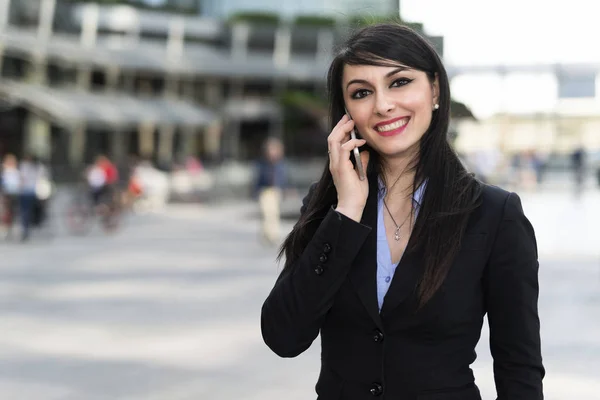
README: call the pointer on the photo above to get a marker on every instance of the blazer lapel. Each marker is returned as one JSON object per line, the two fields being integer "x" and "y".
{"x": 405, "y": 280}
{"x": 363, "y": 274}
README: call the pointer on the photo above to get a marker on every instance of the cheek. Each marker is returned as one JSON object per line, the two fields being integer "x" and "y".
{"x": 361, "y": 118}
{"x": 418, "y": 101}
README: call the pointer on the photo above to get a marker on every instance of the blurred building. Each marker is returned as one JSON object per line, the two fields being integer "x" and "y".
{"x": 548, "y": 109}
{"x": 78, "y": 79}
{"x": 332, "y": 8}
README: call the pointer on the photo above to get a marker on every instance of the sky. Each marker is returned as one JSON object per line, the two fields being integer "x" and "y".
{"x": 509, "y": 32}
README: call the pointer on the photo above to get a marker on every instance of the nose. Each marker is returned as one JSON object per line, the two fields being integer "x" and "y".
{"x": 383, "y": 104}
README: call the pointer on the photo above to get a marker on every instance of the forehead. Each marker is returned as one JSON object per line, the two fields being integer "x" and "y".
{"x": 371, "y": 71}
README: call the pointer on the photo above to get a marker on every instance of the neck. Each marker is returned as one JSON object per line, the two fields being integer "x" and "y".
{"x": 399, "y": 177}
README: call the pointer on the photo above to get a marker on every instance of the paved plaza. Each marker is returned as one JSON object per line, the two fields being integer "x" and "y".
{"x": 169, "y": 309}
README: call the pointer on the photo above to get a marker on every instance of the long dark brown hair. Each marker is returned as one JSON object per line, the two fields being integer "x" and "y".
{"x": 451, "y": 193}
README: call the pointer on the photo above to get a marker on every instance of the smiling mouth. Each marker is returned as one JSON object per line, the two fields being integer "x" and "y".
{"x": 394, "y": 125}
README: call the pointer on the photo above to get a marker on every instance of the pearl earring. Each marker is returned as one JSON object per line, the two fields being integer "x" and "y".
{"x": 436, "y": 106}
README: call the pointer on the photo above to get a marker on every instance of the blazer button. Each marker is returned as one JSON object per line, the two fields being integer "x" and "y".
{"x": 376, "y": 389}
{"x": 377, "y": 336}
{"x": 319, "y": 270}
{"x": 326, "y": 248}
{"x": 323, "y": 258}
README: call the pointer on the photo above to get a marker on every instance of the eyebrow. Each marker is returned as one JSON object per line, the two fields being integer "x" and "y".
{"x": 391, "y": 73}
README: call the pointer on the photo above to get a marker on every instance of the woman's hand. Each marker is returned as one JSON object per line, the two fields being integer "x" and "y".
{"x": 352, "y": 192}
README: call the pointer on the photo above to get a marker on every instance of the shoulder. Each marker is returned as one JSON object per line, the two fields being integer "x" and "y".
{"x": 494, "y": 198}
{"x": 496, "y": 205}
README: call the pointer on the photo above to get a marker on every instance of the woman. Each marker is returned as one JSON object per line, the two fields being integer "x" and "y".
{"x": 397, "y": 271}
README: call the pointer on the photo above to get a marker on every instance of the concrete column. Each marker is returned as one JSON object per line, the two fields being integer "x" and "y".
{"x": 234, "y": 134}
{"x": 175, "y": 39}
{"x": 146, "y": 139}
{"x": 214, "y": 93}
{"x": 84, "y": 77}
{"x": 133, "y": 35}
{"x": 240, "y": 33}
{"x": 182, "y": 149}
{"x": 129, "y": 82}
{"x": 4, "y": 7}
{"x": 112, "y": 78}
{"x": 171, "y": 89}
{"x": 117, "y": 145}
{"x": 212, "y": 139}
{"x": 188, "y": 89}
{"x": 87, "y": 39}
{"x": 165, "y": 142}
{"x": 89, "y": 26}
{"x": 37, "y": 136}
{"x": 237, "y": 88}
{"x": 77, "y": 145}
{"x": 283, "y": 44}
{"x": 189, "y": 142}
{"x": 46, "y": 19}
{"x": 36, "y": 71}
{"x": 276, "y": 127}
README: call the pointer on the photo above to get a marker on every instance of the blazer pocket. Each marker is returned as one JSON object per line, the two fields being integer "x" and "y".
{"x": 466, "y": 393}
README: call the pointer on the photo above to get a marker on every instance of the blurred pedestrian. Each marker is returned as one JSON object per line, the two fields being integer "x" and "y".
{"x": 397, "y": 271}
{"x": 43, "y": 192}
{"x": 11, "y": 187}
{"x": 529, "y": 170}
{"x": 31, "y": 174}
{"x": 578, "y": 164}
{"x": 96, "y": 181}
{"x": 271, "y": 179}
{"x": 102, "y": 178}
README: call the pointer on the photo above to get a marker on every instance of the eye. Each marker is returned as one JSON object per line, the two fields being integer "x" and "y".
{"x": 401, "y": 82}
{"x": 360, "y": 93}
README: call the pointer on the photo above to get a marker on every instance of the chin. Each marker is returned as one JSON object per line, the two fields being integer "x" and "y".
{"x": 399, "y": 151}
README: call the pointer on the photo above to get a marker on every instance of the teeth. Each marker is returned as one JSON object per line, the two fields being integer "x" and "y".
{"x": 392, "y": 126}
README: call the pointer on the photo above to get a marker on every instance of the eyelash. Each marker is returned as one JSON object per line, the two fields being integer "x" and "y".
{"x": 356, "y": 97}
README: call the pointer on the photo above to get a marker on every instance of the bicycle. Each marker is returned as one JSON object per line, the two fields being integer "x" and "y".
{"x": 82, "y": 212}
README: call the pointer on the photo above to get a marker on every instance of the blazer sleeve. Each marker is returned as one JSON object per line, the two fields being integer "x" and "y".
{"x": 511, "y": 298}
{"x": 294, "y": 311}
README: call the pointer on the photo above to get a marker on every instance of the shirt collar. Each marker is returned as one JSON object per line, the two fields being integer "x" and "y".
{"x": 417, "y": 195}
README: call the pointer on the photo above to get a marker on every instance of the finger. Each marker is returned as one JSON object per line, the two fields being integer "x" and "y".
{"x": 341, "y": 122}
{"x": 347, "y": 148}
{"x": 337, "y": 137}
{"x": 337, "y": 152}
{"x": 340, "y": 131}
{"x": 344, "y": 129}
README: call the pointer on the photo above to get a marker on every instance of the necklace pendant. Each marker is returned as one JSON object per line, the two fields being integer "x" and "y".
{"x": 397, "y": 235}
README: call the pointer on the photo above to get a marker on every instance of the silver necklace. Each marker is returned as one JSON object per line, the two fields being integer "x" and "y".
{"x": 397, "y": 232}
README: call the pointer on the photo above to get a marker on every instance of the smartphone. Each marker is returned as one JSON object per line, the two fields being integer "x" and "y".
{"x": 358, "y": 162}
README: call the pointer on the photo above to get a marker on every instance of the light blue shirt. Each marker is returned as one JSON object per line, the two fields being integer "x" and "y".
{"x": 385, "y": 267}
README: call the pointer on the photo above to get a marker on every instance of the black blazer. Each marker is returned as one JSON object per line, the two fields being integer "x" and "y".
{"x": 401, "y": 354}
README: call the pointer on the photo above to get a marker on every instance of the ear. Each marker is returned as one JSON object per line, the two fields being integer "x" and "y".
{"x": 435, "y": 87}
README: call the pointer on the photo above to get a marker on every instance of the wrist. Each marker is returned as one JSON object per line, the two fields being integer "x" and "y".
{"x": 354, "y": 213}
